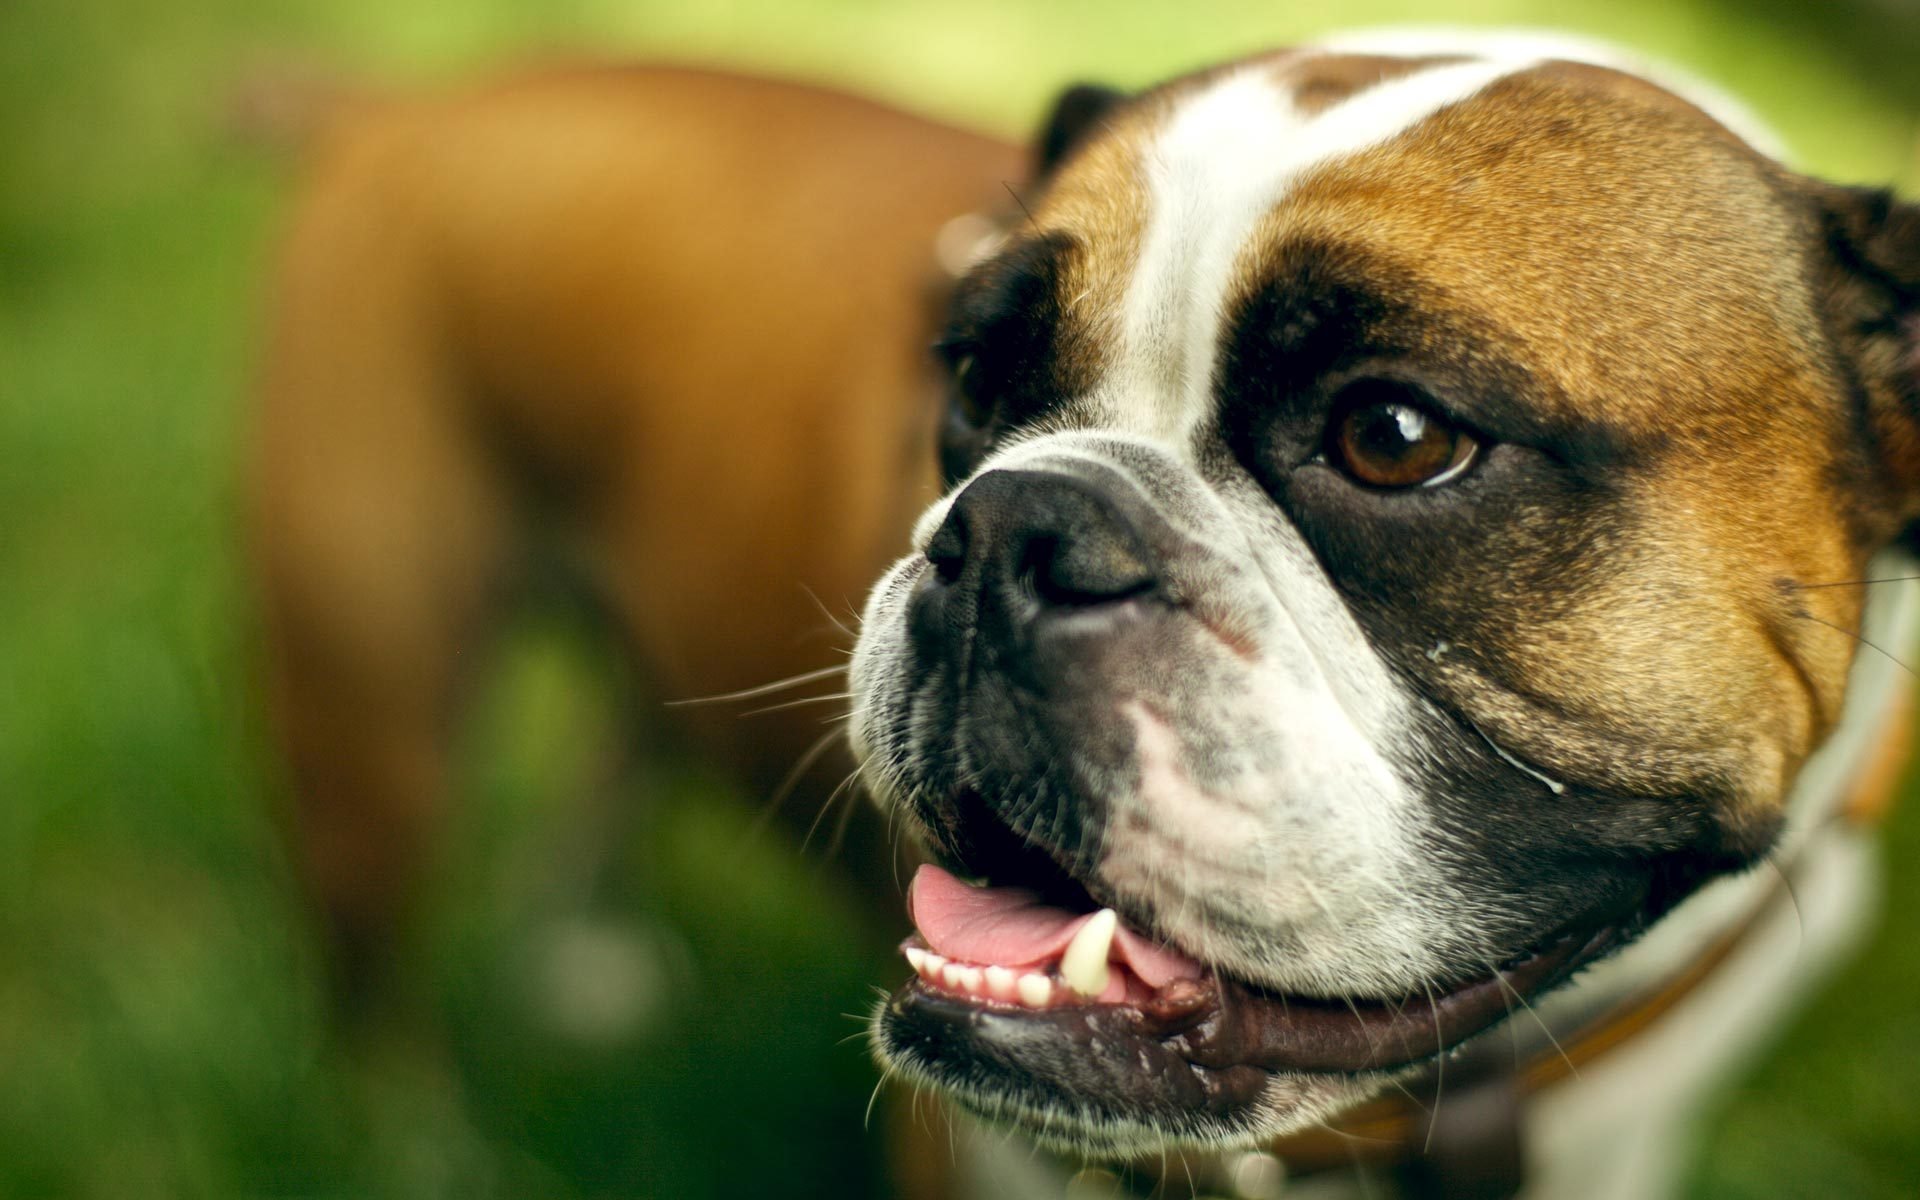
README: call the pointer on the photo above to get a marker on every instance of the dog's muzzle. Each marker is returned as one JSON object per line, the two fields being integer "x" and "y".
{"x": 1028, "y": 575}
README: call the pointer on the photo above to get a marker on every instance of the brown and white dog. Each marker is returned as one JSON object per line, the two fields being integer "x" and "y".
{"x": 1399, "y": 489}
{"x": 1395, "y": 486}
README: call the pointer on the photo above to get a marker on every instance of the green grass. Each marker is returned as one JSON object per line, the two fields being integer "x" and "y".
{"x": 160, "y": 1028}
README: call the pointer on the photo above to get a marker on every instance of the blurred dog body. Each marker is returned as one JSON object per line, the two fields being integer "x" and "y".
{"x": 610, "y": 303}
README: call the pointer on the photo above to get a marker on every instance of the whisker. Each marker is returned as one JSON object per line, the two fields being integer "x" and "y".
{"x": 1373, "y": 1047}
{"x": 1861, "y": 638}
{"x": 1326, "y": 1126}
{"x": 801, "y": 766}
{"x": 1416, "y": 1101}
{"x": 1017, "y": 200}
{"x": 866, "y": 1121}
{"x": 1352, "y": 1143}
{"x": 1808, "y": 587}
{"x": 839, "y": 840}
{"x": 1439, "y": 1064}
{"x": 953, "y": 1139}
{"x": 895, "y": 833}
{"x": 1514, "y": 992}
{"x": 826, "y": 806}
{"x": 1793, "y": 897}
{"x": 845, "y": 632}
{"x": 800, "y": 703}
{"x": 764, "y": 689}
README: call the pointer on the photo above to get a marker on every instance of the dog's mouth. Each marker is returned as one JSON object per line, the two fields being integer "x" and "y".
{"x": 1052, "y": 1006}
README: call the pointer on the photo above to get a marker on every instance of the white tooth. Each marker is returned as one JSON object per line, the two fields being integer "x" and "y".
{"x": 1035, "y": 990}
{"x": 1000, "y": 983}
{"x": 1084, "y": 966}
{"x": 934, "y": 963}
{"x": 970, "y": 980}
{"x": 952, "y": 974}
{"x": 917, "y": 958}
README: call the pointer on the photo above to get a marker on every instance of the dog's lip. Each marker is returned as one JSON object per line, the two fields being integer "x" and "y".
{"x": 1225, "y": 1036}
{"x": 1255, "y": 1027}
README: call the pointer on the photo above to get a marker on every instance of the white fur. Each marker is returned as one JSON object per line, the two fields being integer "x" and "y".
{"x": 1223, "y": 161}
{"x": 1328, "y": 841}
{"x": 1543, "y": 45}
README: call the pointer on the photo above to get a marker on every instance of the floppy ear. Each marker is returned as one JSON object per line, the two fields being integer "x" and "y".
{"x": 1076, "y": 112}
{"x": 1872, "y": 286}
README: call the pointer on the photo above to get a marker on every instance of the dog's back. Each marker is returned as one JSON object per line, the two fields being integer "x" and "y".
{"x": 682, "y": 314}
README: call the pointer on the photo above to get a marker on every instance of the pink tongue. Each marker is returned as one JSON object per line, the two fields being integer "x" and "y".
{"x": 1011, "y": 928}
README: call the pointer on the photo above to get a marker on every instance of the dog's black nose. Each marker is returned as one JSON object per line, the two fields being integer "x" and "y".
{"x": 1027, "y": 545}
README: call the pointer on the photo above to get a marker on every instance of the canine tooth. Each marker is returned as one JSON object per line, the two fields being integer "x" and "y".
{"x": 1034, "y": 990}
{"x": 935, "y": 962}
{"x": 1000, "y": 983}
{"x": 1084, "y": 966}
{"x": 917, "y": 959}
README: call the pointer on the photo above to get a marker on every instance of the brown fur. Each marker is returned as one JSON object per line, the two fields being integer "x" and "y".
{"x": 1320, "y": 81}
{"x": 1706, "y": 350}
{"x": 682, "y": 312}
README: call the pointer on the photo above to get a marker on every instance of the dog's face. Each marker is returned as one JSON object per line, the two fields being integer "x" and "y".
{"x": 1389, "y": 494}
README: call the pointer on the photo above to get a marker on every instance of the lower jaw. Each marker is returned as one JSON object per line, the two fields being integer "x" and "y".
{"x": 1247, "y": 1063}
{"x": 1079, "y": 1104}
{"x": 1071, "y": 1072}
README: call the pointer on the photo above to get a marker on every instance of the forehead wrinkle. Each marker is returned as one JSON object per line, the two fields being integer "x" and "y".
{"x": 1224, "y": 158}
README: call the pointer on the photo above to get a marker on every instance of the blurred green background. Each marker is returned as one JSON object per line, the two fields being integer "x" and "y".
{"x": 160, "y": 1026}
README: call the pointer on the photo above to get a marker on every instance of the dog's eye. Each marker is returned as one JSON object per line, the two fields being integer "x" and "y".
{"x": 1385, "y": 435}
{"x": 972, "y": 409}
{"x": 962, "y": 360}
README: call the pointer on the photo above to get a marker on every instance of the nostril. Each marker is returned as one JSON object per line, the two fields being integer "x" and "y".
{"x": 1077, "y": 570}
{"x": 947, "y": 551}
{"x": 1034, "y": 563}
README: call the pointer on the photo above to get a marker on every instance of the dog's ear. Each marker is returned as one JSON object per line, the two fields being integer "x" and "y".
{"x": 1871, "y": 270}
{"x": 1075, "y": 113}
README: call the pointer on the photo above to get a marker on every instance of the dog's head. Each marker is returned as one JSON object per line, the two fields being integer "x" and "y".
{"x": 1391, "y": 498}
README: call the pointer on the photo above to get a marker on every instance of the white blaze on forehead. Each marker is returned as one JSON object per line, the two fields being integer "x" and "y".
{"x": 1225, "y": 157}
{"x": 1543, "y": 45}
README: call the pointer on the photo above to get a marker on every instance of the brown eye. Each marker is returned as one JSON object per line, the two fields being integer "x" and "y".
{"x": 1385, "y": 438}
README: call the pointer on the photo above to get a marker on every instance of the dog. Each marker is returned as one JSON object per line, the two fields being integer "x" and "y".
{"x": 1409, "y": 500}
{"x": 1309, "y": 738}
